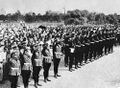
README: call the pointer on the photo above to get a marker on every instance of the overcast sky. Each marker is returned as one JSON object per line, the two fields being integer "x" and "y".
{"x": 40, "y": 6}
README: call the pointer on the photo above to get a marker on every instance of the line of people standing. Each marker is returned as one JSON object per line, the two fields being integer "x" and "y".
{"x": 25, "y": 61}
{"x": 77, "y": 46}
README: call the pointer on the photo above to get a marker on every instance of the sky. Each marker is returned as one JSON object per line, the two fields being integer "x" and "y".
{"x": 40, "y": 6}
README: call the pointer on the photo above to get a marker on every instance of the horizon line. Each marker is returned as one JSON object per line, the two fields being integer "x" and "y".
{"x": 23, "y": 12}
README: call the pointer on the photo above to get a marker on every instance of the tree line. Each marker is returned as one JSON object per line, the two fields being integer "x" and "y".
{"x": 70, "y": 17}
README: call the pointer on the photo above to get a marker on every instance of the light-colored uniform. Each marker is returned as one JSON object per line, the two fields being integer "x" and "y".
{"x": 14, "y": 67}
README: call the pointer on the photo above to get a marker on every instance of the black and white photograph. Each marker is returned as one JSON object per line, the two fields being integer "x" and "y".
{"x": 59, "y": 43}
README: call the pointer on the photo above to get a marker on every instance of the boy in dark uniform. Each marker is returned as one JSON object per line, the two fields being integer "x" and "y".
{"x": 71, "y": 51}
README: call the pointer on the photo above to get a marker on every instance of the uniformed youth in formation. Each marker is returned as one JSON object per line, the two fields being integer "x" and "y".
{"x": 14, "y": 69}
{"x": 47, "y": 58}
{"x": 37, "y": 64}
{"x": 26, "y": 66}
{"x": 57, "y": 56}
{"x": 31, "y": 49}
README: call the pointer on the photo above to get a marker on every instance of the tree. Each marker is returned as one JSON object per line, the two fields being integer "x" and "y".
{"x": 91, "y": 16}
{"x": 112, "y": 18}
{"x": 100, "y": 18}
{"x": 30, "y": 17}
{"x": 72, "y": 21}
{"x": 3, "y": 17}
{"x": 84, "y": 13}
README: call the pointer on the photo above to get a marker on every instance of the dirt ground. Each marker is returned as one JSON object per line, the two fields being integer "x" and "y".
{"x": 102, "y": 73}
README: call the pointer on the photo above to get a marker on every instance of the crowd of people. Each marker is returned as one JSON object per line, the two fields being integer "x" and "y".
{"x": 32, "y": 48}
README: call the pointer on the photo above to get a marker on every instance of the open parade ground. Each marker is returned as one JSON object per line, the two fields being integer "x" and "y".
{"x": 59, "y": 44}
{"x": 101, "y": 73}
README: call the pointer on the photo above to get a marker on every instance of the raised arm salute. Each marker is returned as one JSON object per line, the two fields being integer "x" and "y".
{"x": 14, "y": 65}
{"x": 26, "y": 67}
{"x": 37, "y": 64}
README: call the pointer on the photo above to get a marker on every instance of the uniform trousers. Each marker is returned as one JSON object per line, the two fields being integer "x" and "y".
{"x": 13, "y": 80}
{"x": 66, "y": 58}
{"x": 86, "y": 53}
{"x": 95, "y": 51}
{"x": 66, "y": 55}
{"x": 36, "y": 70}
{"x": 56, "y": 65}
{"x": 71, "y": 59}
{"x": 91, "y": 52}
{"x": 77, "y": 55}
{"x": 26, "y": 75}
{"x": 46, "y": 67}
